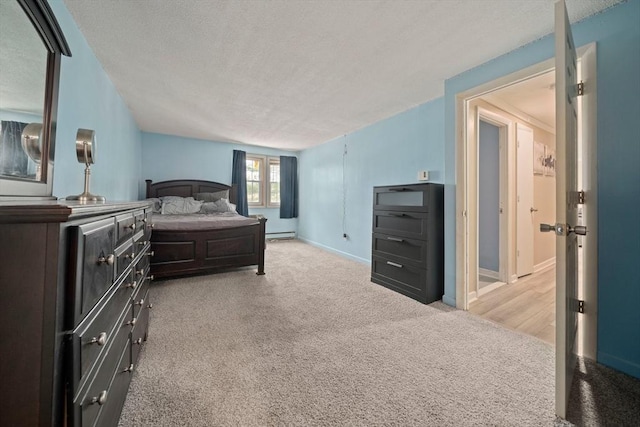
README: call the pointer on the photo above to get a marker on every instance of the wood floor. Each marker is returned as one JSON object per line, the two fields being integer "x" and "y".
{"x": 529, "y": 305}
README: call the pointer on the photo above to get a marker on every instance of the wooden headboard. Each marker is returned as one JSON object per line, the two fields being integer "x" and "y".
{"x": 188, "y": 188}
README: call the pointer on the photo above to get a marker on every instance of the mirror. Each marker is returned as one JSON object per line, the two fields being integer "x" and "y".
{"x": 30, "y": 47}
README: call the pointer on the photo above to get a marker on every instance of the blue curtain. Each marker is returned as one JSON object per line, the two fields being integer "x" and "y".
{"x": 239, "y": 178}
{"x": 288, "y": 187}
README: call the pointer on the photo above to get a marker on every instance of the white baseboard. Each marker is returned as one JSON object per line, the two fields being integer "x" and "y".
{"x": 335, "y": 251}
{"x": 280, "y": 235}
{"x": 490, "y": 288}
{"x": 472, "y": 297}
{"x": 544, "y": 264}
{"x": 489, "y": 273}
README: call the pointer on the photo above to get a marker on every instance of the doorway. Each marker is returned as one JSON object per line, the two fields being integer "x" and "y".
{"x": 515, "y": 271}
{"x": 466, "y": 193}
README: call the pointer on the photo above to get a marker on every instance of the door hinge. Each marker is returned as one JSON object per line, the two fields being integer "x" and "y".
{"x": 577, "y": 197}
{"x": 580, "y": 89}
{"x": 576, "y": 305}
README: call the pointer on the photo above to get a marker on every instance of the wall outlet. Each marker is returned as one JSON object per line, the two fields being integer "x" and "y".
{"x": 423, "y": 176}
{"x": 345, "y": 237}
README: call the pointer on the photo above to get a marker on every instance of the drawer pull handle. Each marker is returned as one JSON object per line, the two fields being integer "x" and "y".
{"x": 132, "y": 226}
{"x": 138, "y": 341}
{"x": 109, "y": 259}
{"x": 132, "y": 255}
{"x": 140, "y": 302}
{"x": 150, "y": 278}
{"x": 152, "y": 253}
{"x": 132, "y": 322}
{"x": 399, "y": 215}
{"x": 101, "y": 339}
{"x": 150, "y": 306}
{"x": 144, "y": 242}
{"x": 101, "y": 399}
{"x": 152, "y": 226}
{"x": 399, "y": 189}
{"x": 395, "y": 239}
{"x": 140, "y": 272}
{"x": 394, "y": 264}
{"x": 145, "y": 220}
{"x": 131, "y": 285}
{"x": 128, "y": 368}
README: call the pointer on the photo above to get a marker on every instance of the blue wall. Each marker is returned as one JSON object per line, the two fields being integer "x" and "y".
{"x": 391, "y": 151}
{"x": 488, "y": 196}
{"x": 617, "y": 34}
{"x": 168, "y": 157}
{"x": 88, "y": 99}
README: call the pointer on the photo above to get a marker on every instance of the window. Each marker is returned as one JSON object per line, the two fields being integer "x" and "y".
{"x": 263, "y": 181}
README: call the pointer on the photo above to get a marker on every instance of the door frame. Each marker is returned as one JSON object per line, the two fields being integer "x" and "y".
{"x": 505, "y": 132}
{"x": 464, "y": 181}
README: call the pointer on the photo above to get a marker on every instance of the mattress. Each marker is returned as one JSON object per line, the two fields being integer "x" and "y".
{"x": 212, "y": 221}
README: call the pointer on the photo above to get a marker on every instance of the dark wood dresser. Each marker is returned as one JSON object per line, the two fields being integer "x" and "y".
{"x": 407, "y": 253}
{"x": 74, "y": 309}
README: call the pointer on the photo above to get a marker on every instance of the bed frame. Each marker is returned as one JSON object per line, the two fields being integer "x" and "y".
{"x": 178, "y": 253}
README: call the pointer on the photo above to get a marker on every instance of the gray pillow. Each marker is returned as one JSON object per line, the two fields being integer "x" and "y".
{"x": 209, "y": 207}
{"x": 179, "y": 205}
{"x": 212, "y": 197}
{"x": 224, "y": 205}
{"x": 156, "y": 207}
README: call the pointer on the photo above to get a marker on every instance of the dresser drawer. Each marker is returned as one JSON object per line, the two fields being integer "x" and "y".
{"x": 100, "y": 331}
{"x": 102, "y": 396}
{"x": 139, "y": 333}
{"x": 400, "y": 249}
{"x": 139, "y": 299}
{"x": 401, "y": 224}
{"x": 411, "y": 198}
{"x": 94, "y": 261}
{"x": 125, "y": 255}
{"x": 126, "y": 227}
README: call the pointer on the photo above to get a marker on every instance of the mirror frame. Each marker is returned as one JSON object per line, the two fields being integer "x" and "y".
{"x": 45, "y": 24}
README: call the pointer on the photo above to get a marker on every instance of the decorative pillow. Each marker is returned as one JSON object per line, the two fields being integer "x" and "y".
{"x": 212, "y": 197}
{"x": 224, "y": 205}
{"x": 156, "y": 207}
{"x": 179, "y": 205}
{"x": 209, "y": 207}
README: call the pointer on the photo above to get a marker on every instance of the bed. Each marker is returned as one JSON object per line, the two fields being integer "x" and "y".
{"x": 200, "y": 243}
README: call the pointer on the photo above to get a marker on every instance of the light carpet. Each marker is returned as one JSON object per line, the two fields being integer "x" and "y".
{"x": 314, "y": 342}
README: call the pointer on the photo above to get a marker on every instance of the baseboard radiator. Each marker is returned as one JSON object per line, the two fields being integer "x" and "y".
{"x": 281, "y": 235}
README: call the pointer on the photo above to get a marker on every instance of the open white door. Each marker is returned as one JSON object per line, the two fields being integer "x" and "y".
{"x": 567, "y": 199}
{"x": 524, "y": 199}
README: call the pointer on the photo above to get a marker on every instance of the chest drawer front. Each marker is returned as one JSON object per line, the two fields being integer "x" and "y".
{"x": 402, "y": 197}
{"x": 402, "y": 224}
{"x": 96, "y": 261}
{"x": 100, "y": 331}
{"x": 399, "y": 275}
{"x": 126, "y": 227}
{"x": 402, "y": 249}
{"x": 101, "y": 397}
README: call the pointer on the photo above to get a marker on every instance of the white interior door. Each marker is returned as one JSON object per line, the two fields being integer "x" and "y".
{"x": 524, "y": 201}
{"x": 566, "y": 207}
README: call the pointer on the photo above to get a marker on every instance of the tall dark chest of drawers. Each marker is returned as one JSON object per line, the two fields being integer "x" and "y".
{"x": 74, "y": 309}
{"x": 407, "y": 252}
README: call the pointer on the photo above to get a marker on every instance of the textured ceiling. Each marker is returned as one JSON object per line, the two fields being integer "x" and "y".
{"x": 23, "y": 62}
{"x": 293, "y": 74}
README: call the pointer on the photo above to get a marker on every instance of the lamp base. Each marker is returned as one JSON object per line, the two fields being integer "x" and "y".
{"x": 87, "y": 198}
